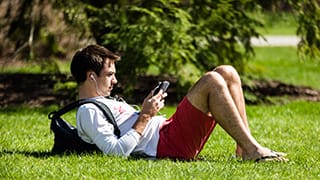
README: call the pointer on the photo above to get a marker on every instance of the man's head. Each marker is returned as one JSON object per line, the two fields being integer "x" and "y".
{"x": 94, "y": 69}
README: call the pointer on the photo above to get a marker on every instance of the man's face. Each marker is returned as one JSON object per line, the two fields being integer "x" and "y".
{"x": 107, "y": 78}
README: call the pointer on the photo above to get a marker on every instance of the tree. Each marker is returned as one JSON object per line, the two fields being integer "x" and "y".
{"x": 171, "y": 34}
{"x": 31, "y": 30}
{"x": 21, "y": 24}
{"x": 309, "y": 28}
{"x": 167, "y": 35}
{"x": 308, "y": 18}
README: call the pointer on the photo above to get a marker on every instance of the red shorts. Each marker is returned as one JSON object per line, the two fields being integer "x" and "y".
{"x": 184, "y": 134}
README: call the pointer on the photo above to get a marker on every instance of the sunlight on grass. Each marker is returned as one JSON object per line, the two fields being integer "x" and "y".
{"x": 22, "y": 68}
{"x": 283, "y": 64}
{"x": 293, "y": 128}
{"x": 278, "y": 23}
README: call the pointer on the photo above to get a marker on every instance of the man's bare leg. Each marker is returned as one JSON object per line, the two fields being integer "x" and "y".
{"x": 211, "y": 94}
{"x": 232, "y": 78}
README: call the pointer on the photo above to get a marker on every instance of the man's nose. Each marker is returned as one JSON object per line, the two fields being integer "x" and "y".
{"x": 114, "y": 80}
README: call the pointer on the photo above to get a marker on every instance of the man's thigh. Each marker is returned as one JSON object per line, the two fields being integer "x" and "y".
{"x": 198, "y": 95}
{"x": 185, "y": 133}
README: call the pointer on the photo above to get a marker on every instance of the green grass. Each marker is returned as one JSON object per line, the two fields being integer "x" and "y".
{"x": 25, "y": 141}
{"x": 63, "y": 66}
{"x": 283, "y": 64}
{"x": 278, "y": 23}
{"x": 22, "y": 68}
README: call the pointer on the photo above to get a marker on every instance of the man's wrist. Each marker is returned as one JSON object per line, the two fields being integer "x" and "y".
{"x": 141, "y": 123}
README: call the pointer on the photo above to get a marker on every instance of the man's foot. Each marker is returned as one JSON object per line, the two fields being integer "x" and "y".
{"x": 265, "y": 154}
{"x": 273, "y": 156}
{"x": 238, "y": 151}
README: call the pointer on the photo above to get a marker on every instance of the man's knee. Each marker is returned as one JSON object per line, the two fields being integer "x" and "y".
{"x": 215, "y": 79}
{"x": 229, "y": 73}
{"x": 210, "y": 80}
{"x": 210, "y": 83}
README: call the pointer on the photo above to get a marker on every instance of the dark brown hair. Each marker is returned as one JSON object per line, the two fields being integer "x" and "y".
{"x": 92, "y": 58}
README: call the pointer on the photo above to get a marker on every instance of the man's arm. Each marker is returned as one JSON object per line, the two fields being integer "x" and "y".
{"x": 92, "y": 124}
{"x": 150, "y": 107}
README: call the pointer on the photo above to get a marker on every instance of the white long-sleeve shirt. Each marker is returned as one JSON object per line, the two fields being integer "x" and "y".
{"x": 94, "y": 128}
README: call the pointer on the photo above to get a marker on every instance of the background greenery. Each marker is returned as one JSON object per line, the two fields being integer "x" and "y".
{"x": 170, "y": 36}
{"x": 283, "y": 64}
{"x": 25, "y": 139}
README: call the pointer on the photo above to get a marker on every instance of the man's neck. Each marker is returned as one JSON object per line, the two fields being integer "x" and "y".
{"x": 85, "y": 93}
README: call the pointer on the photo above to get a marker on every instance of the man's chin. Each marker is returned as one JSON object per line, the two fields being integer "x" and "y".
{"x": 108, "y": 93}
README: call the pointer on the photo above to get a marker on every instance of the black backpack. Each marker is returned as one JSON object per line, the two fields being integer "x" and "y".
{"x": 66, "y": 138}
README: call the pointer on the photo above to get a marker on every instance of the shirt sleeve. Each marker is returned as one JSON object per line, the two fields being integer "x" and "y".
{"x": 94, "y": 125}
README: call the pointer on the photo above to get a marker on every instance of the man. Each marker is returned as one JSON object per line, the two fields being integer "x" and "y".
{"x": 217, "y": 97}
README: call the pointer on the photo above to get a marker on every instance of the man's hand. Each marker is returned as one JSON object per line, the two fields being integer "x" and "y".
{"x": 150, "y": 107}
{"x": 153, "y": 104}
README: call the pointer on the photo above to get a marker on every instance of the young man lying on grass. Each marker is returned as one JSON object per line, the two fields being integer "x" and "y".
{"x": 216, "y": 98}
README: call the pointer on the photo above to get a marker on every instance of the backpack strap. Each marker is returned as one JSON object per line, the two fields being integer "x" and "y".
{"x": 104, "y": 108}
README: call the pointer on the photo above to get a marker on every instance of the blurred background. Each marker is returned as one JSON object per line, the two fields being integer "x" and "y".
{"x": 177, "y": 40}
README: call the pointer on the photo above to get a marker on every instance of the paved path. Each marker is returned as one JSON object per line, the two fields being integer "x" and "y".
{"x": 276, "y": 41}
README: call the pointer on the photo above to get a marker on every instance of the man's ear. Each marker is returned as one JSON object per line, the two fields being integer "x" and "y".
{"x": 91, "y": 75}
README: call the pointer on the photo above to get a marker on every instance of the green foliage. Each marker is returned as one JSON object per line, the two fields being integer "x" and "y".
{"x": 25, "y": 32}
{"x": 165, "y": 33}
{"x": 222, "y": 28}
{"x": 156, "y": 35}
{"x": 70, "y": 87}
{"x": 49, "y": 65}
{"x": 309, "y": 28}
{"x": 67, "y": 85}
{"x": 171, "y": 35}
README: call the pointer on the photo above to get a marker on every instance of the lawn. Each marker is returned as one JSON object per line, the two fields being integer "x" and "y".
{"x": 283, "y": 64}
{"x": 25, "y": 143}
{"x": 277, "y": 23}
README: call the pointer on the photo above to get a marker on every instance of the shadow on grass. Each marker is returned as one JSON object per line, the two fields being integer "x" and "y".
{"x": 36, "y": 154}
{"x": 42, "y": 154}
{"x": 135, "y": 157}
{"x": 47, "y": 154}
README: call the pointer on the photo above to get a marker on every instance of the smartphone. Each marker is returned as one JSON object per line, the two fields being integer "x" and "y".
{"x": 161, "y": 85}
